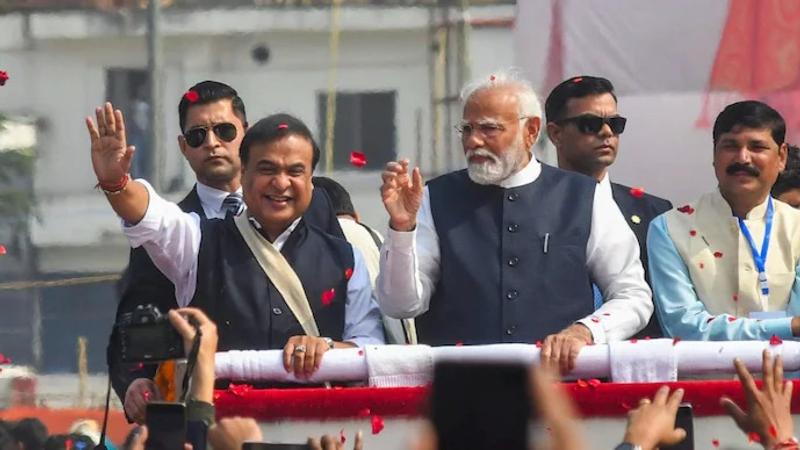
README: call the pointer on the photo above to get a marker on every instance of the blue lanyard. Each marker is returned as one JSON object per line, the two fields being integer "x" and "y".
{"x": 760, "y": 259}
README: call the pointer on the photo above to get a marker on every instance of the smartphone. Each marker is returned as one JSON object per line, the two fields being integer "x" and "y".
{"x": 481, "y": 406}
{"x": 166, "y": 426}
{"x": 684, "y": 419}
{"x": 266, "y": 446}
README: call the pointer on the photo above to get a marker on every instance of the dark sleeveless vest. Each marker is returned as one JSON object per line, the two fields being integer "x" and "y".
{"x": 249, "y": 312}
{"x": 513, "y": 261}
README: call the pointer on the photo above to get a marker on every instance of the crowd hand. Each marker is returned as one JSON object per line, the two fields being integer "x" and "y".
{"x": 184, "y": 320}
{"x": 328, "y": 442}
{"x": 140, "y": 438}
{"x": 769, "y": 409}
{"x": 111, "y": 154}
{"x": 231, "y": 432}
{"x": 401, "y": 193}
{"x": 562, "y": 349}
{"x": 556, "y": 410}
{"x": 652, "y": 424}
{"x": 139, "y": 393}
{"x": 303, "y": 355}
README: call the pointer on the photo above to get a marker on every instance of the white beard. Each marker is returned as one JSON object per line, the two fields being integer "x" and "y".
{"x": 500, "y": 167}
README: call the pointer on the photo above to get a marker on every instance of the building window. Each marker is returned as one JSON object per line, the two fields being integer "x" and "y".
{"x": 365, "y": 122}
{"x": 127, "y": 90}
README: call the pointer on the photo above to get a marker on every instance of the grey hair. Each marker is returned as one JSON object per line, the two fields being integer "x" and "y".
{"x": 529, "y": 105}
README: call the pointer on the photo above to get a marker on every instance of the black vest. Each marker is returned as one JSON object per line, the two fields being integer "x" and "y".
{"x": 249, "y": 312}
{"x": 513, "y": 261}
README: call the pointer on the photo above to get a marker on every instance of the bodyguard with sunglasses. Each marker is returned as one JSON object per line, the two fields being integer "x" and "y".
{"x": 505, "y": 250}
{"x": 585, "y": 127}
{"x": 213, "y": 122}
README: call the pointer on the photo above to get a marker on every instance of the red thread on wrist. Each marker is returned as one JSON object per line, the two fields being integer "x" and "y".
{"x": 116, "y": 187}
{"x": 791, "y": 443}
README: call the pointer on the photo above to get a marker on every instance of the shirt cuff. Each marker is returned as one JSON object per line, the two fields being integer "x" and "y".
{"x": 143, "y": 231}
{"x": 399, "y": 240}
{"x": 598, "y": 333}
{"x": 779, "y": 327}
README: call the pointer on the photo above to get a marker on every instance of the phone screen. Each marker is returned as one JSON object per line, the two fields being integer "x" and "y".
{"x": 684, "y": 419}
{"x": 481, "y": 406}
{"x": 166, "y": 426}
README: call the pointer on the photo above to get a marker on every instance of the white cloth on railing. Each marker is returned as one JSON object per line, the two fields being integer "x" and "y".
{"x": 399, "y": 365}
{"x": 643, "y": 361}
{"x": 267, "y": 365}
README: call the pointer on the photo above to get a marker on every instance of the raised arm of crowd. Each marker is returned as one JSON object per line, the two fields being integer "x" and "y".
{"x": 508, "y": 250}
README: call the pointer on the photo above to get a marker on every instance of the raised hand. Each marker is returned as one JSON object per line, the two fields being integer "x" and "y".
{"x": 111, "y": 154}
{"x": 401, "y": 193}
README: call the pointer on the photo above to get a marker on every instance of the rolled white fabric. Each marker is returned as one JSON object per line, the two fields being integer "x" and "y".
{"x": 399, "y": 365}
{"x": 643, "y": 362}
{"x": 347, "y": 364}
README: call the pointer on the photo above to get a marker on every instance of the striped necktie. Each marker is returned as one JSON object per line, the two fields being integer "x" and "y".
{"x": 233, "y": 204}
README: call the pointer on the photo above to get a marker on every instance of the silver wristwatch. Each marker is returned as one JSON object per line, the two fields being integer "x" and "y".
{"x": 329, "y": 341}
{"x": 628, "y": 446}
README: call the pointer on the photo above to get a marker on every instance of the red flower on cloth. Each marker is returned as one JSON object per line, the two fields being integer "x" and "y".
{"x": 4, "y": 359}
{"x": 595, "y": 319}
{"x": 634, "y": 340}
{"x": 717, "y": 255}
{"x": 692, "y": 232}
{"x": 3, "y": 250}
{"x": 364, "y": 412}
{"x": 327, "y": 296}
{"x": 348, "y": 273}
{"x": 731, "y": 319}
{"x": 625, "y": 406}
{"x": 377, "y": 424}
{"x": 637, "y": 192}
{"x": 686, "y": 209}
{"x": 3, "y": 77}
{"x": 239, "y": 389}
{"x": 581, "y": 383}
{"x": 191, "y": 96}
{"x": 775, "y": 340}
{"x": 594, "y": 382}
{"x": 358, "y": 159}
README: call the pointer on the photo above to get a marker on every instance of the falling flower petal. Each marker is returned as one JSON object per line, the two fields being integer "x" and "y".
{"x": 348, "y": 273}
{"x": 3, "y": 77}
{"x": 146, "y": 396}
{"x": 686, "y": 209}
{"x": 731, "y": 319}
{"x": 358, "y": 159}
{"x": 753, "y": 437}
{"x": 647, "y": 338}
{"x": 283, "y": 126}
{"x": 633, "y": 340}
{"x": 595, "y": 319}
{"x": 377, "y": 424}
{"x": 581, "y": 383}
{"x": 675, "y": 341}
{"x": 239, "y": 389}
{"x": 459, "y": 343}
{"x": 625, "y": 406}
{"x": 4, "y": 359}
{"x": 2, "y": 249}
{"x": 577, "y": 79}
{"x": 594, "y": 382}
{"x": 735, "y": 297}
{"x": 637, "y": 192}
{"x": 342, "y": 437}
{"x": 492, "y": 78}
{"x": 717, "y": 254}
{"x": 702, "y": 265}
{"x": 773, "y": 431}
{"x": 538, "y": 344}
{"x": 191, "y": 96}
{"x": 775, "y": 340}
{"x": 606, "y": 314}
{"x": 361, "y": 353}
{"x": 692, "y": 232}
{"x": 364, "y": 412}
{"x": 217, "y": 395}
{"x": 327, "y": 296}
{"x": 715, "y": 442}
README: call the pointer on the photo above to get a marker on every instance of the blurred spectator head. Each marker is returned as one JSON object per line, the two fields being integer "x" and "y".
{"x": 787, "y": 187}
{"x": 340, "y": 198}
{"x": 88, "y": 428}
{"x": 68, "y": 442}
{"x": 30, "y": 433}
{"x": 209, "y": 92}
{"x": 7, "y": 441}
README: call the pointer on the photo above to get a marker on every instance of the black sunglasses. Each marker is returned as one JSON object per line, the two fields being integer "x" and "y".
{"x": 225, "y": 131}
{"x": 591, "y": 124}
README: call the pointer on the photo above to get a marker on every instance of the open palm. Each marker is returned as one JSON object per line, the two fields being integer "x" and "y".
{"x": 111, "y": 154}
{"x": 401, "y": 194}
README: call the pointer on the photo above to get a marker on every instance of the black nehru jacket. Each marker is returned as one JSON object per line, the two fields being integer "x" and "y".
{"x": 639, "y": 210}
{"x": 142, "y": 283}
{"x": 513, "y": 261}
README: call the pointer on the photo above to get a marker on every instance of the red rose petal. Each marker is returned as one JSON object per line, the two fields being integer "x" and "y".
{"x": 775, "y": 340}
{"x": 146, "y": 396}
{"x": 191, "y": 96}
{"x": 342, "y": 437}
{"x": 2, "y": 249}
{"x": 283, "y": 126}
{"x": 647, "y": 338}
{"x": 675, "y": 340}
{"x": 735, "y": 297}
{"x": 773, "y": 431}
{"x": 717, "y": 254}
{"x": 595, "y": 320}
{"x": 217, "y": 395}
{"x": 377, "y": 424}
{"x": 327, "y": 296}
{"x": 633, "y": 340}
{"x": 692, "y": 232}
{"x": 577, "y": 79}
{"x": 606, "y": 314}
{"x": 358, "y": 159}
{"x": 538, "y": 344}
{"x": 686, "y": 209}
{"x": 625, "y": 406}
{"x": 364, "y": 412}
{"x": 459, "y": 343}
{"x": 361, "y": 353}
{"x": 68, "y": 444}
{"x": 581, "y": 383}
{"x": 4, "y": 359}
{"x": 3, "y": 77}
{"x": 239, "y": 389}
{"x": 753, "y": 437}
{"x": 594, "y": 382}
{"x": 715, "y": 442}
{"x": 702, "y": 266}
{"x": 492, "y": 78}
{"x": 637, "y": 192}
{"x": 348, "y": 273}
{"x": 731, "y": 319}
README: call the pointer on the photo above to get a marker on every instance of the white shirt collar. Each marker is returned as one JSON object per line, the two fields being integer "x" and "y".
{"x": 279, "y": 242}
{"x": 528, "y": 174}
{"x": 211, "y": 199}
{"x": 604, "y": 185}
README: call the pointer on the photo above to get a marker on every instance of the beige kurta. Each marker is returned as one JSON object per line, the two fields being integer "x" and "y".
{"x": 720, "y": 261}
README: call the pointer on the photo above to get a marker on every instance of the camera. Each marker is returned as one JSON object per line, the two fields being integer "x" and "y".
{"x": 146, "y": 335}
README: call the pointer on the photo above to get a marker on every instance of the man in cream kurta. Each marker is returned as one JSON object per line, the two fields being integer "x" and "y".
{"x": 705, "y": 272}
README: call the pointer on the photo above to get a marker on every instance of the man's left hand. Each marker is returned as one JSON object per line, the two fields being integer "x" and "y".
{"x": 561, "y": 350}
{"x": 303, "y": 355}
